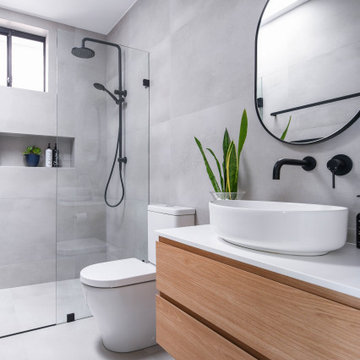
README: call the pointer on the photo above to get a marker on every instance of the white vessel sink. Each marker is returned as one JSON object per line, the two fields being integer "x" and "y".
{"x": 280, "y": 227}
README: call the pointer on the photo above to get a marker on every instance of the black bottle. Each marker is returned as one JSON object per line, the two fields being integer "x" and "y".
{"x": 55, "y": 159}
{"x": 358, "y": 231}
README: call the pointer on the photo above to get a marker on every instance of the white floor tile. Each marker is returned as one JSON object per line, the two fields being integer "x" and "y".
{"x": 71, "y": 299}
{"x": 79, "y": 340}
{"x": 29, "y": 307}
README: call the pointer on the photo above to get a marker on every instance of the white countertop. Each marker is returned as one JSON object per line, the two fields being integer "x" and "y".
{"x": 338, "y": 270}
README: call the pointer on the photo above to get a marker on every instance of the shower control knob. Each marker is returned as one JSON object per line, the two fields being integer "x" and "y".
{"x": 339, "y": 165}
{"x": 121, "y": 93}
{"x": 122, "y": 160}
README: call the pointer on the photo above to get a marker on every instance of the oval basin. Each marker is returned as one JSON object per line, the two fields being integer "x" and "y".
{"x": 280, "y": 227}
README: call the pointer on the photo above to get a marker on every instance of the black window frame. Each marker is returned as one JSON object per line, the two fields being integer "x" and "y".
{"x": 9, "y": 33}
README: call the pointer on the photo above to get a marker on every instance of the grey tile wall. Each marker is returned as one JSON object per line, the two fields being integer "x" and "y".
{"x": 28, "y": 196}
{"x": 202, "y": 76}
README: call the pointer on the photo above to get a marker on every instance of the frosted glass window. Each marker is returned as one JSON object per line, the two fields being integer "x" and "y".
{"x": 27, "y": 64}
{"x": 3, "y": 60}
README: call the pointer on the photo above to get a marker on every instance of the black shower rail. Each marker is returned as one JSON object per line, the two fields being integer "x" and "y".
{"x": 84, "y": 52}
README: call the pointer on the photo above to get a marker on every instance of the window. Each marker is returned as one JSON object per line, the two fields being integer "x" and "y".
{"x": 22, "y": 60}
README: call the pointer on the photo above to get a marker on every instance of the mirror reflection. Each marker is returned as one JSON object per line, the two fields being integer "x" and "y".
{"x": 308, "y": 78}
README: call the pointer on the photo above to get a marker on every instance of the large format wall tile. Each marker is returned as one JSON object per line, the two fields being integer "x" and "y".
{"x": 127, "y": 230}
{"x": 160, "y": 163}
{"x": 207, "y": 58}
{"x": 161, "y": 78}
{"x": 27, "y": 238}
{"x": 27, "y": 273}
{"x": 210, "y": 78}
{"x": 26, "y": 182}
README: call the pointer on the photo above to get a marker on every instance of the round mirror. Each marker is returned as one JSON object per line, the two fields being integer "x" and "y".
{"x": 307, "y": 78}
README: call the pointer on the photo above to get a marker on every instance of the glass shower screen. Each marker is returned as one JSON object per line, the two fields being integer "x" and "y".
{"x": 88, "y": 231}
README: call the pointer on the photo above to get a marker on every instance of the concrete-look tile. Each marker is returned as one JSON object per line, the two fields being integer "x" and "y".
{"x": 69, "y": 267}
{"x": 28, "y": 227}
{"x": 127, "y": 230}
{"x": 160, "y": 65}
{"x": 183, "y": 11}
{"x": 8, "y": 319}
{"x": 27, "y": 307}
{"x": 77, "y": 220}
{"x": 136, "y": 105}
{"x": 208, "y": 61}
{"x": 31, "y": 306}
{"x": 70, "y": 298}
{"x": 18, "y": 182}
{"x": 149, "y": 24}
{"x": 35, "y": 308}
{"x": 137, "y": 167}
{"x": 40, "y": 108}
{"x": 27, "y": 273}
{"x": 160, "y": 162}
{"x": 73, "y": 341}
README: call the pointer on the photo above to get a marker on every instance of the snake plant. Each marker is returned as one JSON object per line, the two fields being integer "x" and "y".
{"x": 229, "y": 171}
{"x": 283, "y": 135}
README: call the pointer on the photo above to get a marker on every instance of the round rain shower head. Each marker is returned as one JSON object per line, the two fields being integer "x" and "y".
{"x": 99, "y": 86}
{"x": 83, "y": 52}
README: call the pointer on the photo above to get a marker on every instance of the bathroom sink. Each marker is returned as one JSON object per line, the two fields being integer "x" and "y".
{"x": 280, "y": 227}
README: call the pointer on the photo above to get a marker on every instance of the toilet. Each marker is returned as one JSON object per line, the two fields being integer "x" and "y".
{"x": 121, "y": 293}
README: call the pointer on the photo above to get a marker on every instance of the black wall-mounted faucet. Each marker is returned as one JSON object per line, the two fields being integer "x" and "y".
{"x": 308, "y": 164}
{"x": 339, "y": 165}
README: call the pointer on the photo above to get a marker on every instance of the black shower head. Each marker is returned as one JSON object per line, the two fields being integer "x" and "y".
{"x": 103, "y": 88}
{"x": 83, "y": 52}
{"x": 99, "y": 86}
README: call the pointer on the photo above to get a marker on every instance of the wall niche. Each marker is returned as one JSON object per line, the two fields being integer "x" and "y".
{"x": 12, "y": 146}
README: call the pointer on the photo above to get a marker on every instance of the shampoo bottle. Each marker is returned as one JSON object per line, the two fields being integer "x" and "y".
{"x": 48, "y": 156}
{"x": 55, "y": 157}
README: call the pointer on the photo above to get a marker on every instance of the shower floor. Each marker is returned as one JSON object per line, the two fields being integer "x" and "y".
{"x": 28, "y": 307}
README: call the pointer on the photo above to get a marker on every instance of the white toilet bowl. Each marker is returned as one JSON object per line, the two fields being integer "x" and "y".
{"x": 121, "y": 297}
{"x": 121, "y": 293}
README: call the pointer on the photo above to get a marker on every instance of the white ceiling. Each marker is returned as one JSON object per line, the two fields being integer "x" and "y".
{"x": 94, "y": 15}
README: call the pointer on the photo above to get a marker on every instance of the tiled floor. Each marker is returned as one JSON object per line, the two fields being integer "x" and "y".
{"x": 28, "y": 307}
{"x": 78, "y": 340}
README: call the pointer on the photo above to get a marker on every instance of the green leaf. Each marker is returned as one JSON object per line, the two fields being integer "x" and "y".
{"x": 36, "y": 150}
{"x": 242, "y": 133}
{"x": 219, "y": 168}
{"x": 32, "y": 150}
{"x": 28, "y": 150}
{"x": 283, "y": 136}
{"x": 208, "y": 168}
{"x": 232, "y": 168}
{"x": 226, "y": 143}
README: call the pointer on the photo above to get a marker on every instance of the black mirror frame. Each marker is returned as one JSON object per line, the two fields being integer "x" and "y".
{"x": 348, "y": 124}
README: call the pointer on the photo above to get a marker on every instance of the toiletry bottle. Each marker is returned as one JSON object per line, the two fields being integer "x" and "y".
{"x": 55, "y": 156}
{"x": 48, "y": 156}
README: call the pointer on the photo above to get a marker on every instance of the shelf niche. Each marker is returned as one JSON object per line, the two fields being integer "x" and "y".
{"x": 12, "y": 146}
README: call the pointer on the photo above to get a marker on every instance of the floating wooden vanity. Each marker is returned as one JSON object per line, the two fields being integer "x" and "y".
{"x": 211, "y": 306}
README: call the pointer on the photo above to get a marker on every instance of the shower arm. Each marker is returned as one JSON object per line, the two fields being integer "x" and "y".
{"x": 121, "y": 158}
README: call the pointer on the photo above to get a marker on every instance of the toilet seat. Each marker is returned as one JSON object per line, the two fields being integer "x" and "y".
{"x": 118, "y": 273}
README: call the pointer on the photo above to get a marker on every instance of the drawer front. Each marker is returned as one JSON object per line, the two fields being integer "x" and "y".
{"x": 185, "y": 338}
{"x": 272, "y": 319}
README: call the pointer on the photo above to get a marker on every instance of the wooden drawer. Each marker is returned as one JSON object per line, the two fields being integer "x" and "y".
{"x": 187, "y": 339}
{"x": 268, "y": 319}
